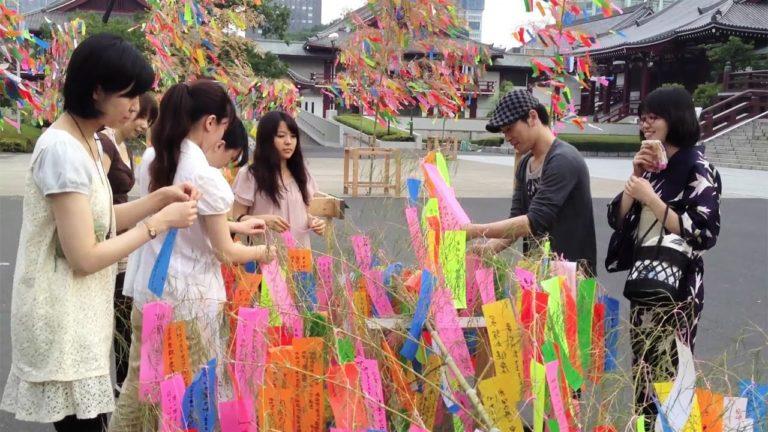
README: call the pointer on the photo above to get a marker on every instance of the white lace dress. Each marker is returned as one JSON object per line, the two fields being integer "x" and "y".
{"x": 61, "y": 323}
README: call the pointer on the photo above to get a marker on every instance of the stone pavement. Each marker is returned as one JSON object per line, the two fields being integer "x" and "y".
{"x": 473, "y": 175}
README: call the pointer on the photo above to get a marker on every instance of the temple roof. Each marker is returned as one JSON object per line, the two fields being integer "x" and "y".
{"x": 685, "y": 19}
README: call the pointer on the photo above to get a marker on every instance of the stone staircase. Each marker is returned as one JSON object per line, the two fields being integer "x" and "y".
{"x": 744, "y": 147}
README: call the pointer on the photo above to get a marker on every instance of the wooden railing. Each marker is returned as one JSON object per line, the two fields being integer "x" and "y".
{"x": 734, "y": 82}
{"x": 732, "y": 111}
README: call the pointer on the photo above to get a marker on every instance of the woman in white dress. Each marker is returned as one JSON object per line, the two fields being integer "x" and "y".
{"x": 187, "y": 147}
{"x": 61, "y": 309}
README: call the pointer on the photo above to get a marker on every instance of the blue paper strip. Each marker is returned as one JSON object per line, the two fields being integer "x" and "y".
{"x": 414, "y": 185}
{"x": 160, "y": 270}
{"x": 611, "y": 332}
{"x": 662, "y": 418}
{"x": 757, "y": 403}
{"x": 392, "y": 270}
{"x": 250, "y": 267}
{"x": 199, "y": 405}
{"x": 411, "y": 344}
{"x": 307, "y": 287}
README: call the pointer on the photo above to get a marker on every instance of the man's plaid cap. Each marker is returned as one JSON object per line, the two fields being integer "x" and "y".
{"x": 511, "y": 108}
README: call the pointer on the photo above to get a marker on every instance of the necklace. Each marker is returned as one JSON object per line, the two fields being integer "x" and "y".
{"x": 99, "y": 168}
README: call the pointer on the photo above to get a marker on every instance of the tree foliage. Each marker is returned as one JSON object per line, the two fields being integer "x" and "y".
{"x": 739, "y": 53}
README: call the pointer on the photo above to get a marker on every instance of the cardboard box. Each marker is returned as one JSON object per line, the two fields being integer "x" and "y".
{"x": 327, "y": 206}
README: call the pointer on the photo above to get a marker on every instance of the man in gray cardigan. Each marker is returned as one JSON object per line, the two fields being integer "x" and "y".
{"x": 552, "y": 195}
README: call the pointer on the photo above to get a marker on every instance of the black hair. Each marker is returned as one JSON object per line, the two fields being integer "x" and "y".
{"x": 675, "y": 106}
{"x": 236, "y": 138}
{"x": 541, "y": 110}
{"x": 108, "y": 62}
{"x": 180, "y": 108}
{"x": 148, "y": 108}
{"x": 265, "y": 168}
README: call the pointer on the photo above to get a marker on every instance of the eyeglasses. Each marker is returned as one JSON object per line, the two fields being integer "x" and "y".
{"x": 650, "y": 118}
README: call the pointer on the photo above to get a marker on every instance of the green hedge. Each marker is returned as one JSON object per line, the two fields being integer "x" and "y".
{"x": 584, "y": 142}
{"x": 14, "y": 141}
{"x": 366, "y": 126}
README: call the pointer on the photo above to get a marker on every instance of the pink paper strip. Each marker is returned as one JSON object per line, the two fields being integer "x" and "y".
{"x": 374, "y": 285}
{"x": 484, "y": 280}
{"x": 370, "y": 384}
{"x": 237, "y": 416}
{"x": 156, "y": 317}
{"x": 362, "y": 248}
{"x": 567, "y": 269}
{"x": 251, "y": 349}
{"x": 325, "y": 285}
{"x": 556, "y": 396}
{"x": 416, "y": 428}
{"x": 452, "y": 216}
{"x": 472, "y": 264}
{"x": 449, "y": 330}
{"x": 290, "y": 242}
{"x": 171, "y": 396}
{"x": 282, "y": 299}
{"x": 526, "y": 279}
{"x": 417, "y": 240}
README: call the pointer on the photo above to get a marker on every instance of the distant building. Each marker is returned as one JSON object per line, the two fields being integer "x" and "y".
{"x": 472, "y": 11}
{"x": 305, "y": 14}
{"x": 591, "y": 7}
{"x": 60, "y": 11}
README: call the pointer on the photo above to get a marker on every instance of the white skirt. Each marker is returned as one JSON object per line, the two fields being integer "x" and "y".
{"x": 51, "y": 401}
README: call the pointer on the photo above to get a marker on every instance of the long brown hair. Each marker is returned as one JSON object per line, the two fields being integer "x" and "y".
{"x": 265, "y": 168}
{"x": 181, "y": 107}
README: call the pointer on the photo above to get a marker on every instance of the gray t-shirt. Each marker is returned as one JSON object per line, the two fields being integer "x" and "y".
{"x": 559, "y": 203}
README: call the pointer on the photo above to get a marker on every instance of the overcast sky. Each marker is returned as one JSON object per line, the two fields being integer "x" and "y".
{"x": 500, "y": 18}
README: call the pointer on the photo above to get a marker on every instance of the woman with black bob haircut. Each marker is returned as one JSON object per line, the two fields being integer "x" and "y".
{"x": 277, "y": 187}
{"x": 673, "y": 186}
{"x": 187, "y": 146}
{"x": 61, "y": 309}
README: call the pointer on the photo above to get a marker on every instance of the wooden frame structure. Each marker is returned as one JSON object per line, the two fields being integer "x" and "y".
{"x": 390, "y": 157}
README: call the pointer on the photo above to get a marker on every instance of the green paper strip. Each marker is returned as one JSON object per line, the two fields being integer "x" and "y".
{"x": 453, "y": 259}
{"x": 539, "y": 386}
{"x": 430, "y": 209}
{"x": 346, "y": 350}
{"x": 585, "y": 300}
{"x": 458, "y": 426}
{"x": 266, "y": 301}
{"x": 555, "y": 327}
{"x": 553, "y": 426}
{"x": 640, "y": 425}
{"x": 442, "y": 166}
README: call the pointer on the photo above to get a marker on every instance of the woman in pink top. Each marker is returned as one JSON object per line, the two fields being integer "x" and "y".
{"x": 277, "y": 186}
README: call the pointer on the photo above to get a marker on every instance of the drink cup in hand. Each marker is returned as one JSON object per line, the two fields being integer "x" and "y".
{"x": 660, "y": 153}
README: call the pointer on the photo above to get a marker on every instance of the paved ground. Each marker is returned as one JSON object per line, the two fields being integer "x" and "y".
{"x": 737, "y": 288}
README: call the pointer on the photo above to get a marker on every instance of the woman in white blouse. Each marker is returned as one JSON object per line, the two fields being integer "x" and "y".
{"x": 187, "y": 147}
{"x": 61, "y": 309}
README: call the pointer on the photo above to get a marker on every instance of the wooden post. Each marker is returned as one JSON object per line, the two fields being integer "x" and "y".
{"x": 386, "y": 174}
{"x": 645, "y": 82}
{"x": 355, "y": 170}
{"x": 708, "y": 126}
{"x": 346, "y": 167}
{"x": 727, "y": 77}
{"x": 627, "y": 88}
{"x": 398, "y": 173}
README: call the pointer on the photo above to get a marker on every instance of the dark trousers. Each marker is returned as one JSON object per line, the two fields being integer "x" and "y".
{"x": 122, "y": 335}
{"x": 654, "y": 351}
{"x": 74, "y": 424}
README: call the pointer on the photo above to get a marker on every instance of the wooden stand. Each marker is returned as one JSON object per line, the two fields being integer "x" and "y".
{"x": 386, "y": 183}
{"x": 449, "y": 147}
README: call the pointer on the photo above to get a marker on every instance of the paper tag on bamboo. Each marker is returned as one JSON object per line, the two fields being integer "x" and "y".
{"x": 500, "y": 401}
{"x": 344, "y": 395}
{"x": 176, "y": 351}
{"x": 449, "y": 329}
{"x": 370, "y": 383}
{"x": 325, "y": 282}
{"x": 155, "y": 318}
{"x": 171, "y": 397}
{"x": 505, "y": 340}
{"x": 250, "y": 351}
{"x": 374, "y": 285}
{"x": 282, "y": 299}
{"x": 300, "y": 260}
{"x": 310, "y": 398}
{"x": 453, "y": 260}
